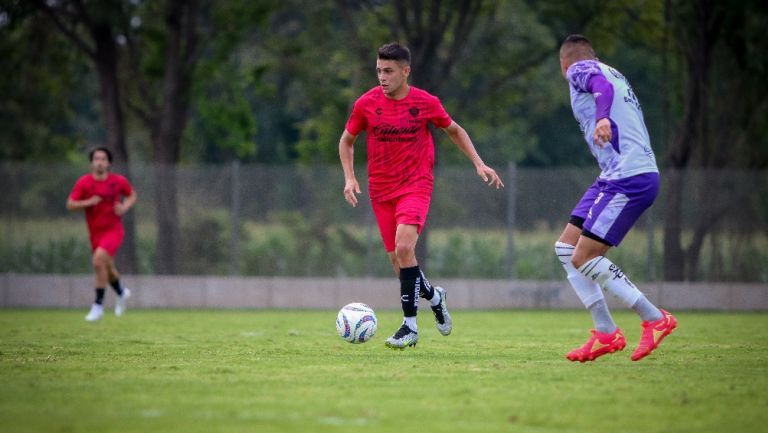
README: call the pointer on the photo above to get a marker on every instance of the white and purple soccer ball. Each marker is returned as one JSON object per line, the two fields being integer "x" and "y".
{"x": 356, "y": 323}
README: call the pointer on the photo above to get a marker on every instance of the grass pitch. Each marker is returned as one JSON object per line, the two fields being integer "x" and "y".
{"x": 287, "y": 371}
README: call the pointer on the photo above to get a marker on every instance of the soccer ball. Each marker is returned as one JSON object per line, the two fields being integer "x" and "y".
{"x": 356, "y": 323}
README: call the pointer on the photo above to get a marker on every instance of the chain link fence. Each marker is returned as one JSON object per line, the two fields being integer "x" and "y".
{"x": 293, "y": 221}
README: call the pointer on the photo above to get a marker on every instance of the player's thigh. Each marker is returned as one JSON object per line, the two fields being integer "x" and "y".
{"x": 570, "y": 234}
{"x": 587, "y": 249}
{"x": 111, "y": 241}
{"x": 580, "y": 212}
{"x": 618, "y": 207}
{"x": 407, "y": 235}
{"x": 101, "y": 258}
{"x": 412, "y": 209}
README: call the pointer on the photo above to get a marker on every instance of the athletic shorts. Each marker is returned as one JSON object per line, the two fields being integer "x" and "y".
{"x": 110, "y": 240}
{"x": 610, "y": 208}
{"x": 410, "y": 208}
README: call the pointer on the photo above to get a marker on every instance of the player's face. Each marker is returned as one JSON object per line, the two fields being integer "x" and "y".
{"x": 100, "y": 162}
{"x": 393, "y": 76}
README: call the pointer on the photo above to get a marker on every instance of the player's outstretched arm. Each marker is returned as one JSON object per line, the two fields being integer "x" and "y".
{"x": 460, "y": 137}
{"x": 347, "y": 156}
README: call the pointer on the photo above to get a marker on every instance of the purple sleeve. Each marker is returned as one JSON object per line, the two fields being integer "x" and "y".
{"x": 602, "y": 90}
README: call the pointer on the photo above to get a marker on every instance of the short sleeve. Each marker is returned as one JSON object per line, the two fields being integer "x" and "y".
{"x": 78, "y": 191}
{"x": 125, "y": 187}
{"x": 579, "y": 74}
{"x": 439, "y": 117}
{"x": 357, "y": 121}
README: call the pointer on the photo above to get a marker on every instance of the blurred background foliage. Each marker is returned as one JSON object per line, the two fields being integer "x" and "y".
{"x": 192, "y": 82}
{"x": 273, "y": 81}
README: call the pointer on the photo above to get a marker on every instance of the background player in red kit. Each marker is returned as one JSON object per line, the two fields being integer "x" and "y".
{"x": 101, "y": 194}
{"x": 401, "y": 157}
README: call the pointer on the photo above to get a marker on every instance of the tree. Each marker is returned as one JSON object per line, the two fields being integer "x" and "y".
{"x": 92, "y": 31}
{"x": 724, "y": 101}
{"x": 146, "y": 56}
{"x": 47, "y": 81}
{"x": 161, "y": 64}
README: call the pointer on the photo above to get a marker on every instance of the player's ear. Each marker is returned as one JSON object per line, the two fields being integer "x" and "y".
{"x": 407, "y": 70}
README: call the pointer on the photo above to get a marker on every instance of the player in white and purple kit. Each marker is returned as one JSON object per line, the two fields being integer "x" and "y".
{"x": 611, "y": 120}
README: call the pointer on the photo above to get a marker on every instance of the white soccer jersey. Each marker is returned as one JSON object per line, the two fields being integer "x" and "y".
{"x": 629, "y": 152}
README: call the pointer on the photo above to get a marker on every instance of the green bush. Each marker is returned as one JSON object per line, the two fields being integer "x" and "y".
{"x": 55, "y": 256}
{"x": 293, "y": 244}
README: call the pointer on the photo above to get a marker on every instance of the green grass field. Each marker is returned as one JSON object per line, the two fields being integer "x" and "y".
{"x": 287, "y": 371}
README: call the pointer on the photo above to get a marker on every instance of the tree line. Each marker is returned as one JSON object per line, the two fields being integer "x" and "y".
{"x": 272, "y": 81}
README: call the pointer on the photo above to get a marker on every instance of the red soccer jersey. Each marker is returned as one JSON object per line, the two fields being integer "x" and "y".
{"x": 102, "y": 217}
{"x": 401, "y": 153}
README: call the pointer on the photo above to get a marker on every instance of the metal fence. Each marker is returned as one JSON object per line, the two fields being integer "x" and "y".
{"x": 293, "y": 221}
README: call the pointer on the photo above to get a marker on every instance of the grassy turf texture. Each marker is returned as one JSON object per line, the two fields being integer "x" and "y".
{"x": 288, "y": 371}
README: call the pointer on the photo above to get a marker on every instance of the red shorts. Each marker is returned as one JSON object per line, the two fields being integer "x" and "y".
{"x": 110, "y": 240}
{"x": 410, "y": 208}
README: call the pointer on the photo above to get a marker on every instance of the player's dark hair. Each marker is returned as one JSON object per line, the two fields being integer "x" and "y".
{"x": 395, "y": 51}
{"x": 100, "y": 149}
{"x": 579, "y": 40}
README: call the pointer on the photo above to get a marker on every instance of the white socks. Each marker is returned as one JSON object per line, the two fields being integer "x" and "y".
{"x": 587, "y": 290}
{"x": 411, "y": 323}
{"x": 610, "y": 277}
{"x": 600, "y": 273}
{"x": 601, "y": 317}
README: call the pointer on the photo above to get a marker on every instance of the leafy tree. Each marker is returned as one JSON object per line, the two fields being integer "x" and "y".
{"x": 91, "y": 30}
{"x": 38, "y": 103}
{"x": 724, "y": 111}
{"x": 146, "y": 56}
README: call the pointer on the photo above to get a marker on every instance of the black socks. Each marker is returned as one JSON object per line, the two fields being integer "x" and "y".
{"x": 99, "y": 295}
{"x": 116, "y": 287}
{"x": 410, "y": 286}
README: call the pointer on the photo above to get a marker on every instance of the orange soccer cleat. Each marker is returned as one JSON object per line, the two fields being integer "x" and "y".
{"x": 598, "y": 345}
{"x": 653, "y": 333}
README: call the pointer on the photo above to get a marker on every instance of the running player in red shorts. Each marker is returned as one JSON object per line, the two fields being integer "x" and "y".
{"x": 401, "y": 157}
{"x": 100, "y": 193}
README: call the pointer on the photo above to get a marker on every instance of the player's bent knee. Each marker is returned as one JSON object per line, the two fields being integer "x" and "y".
{"x": 100, "y": 260}
{"x": 564, "y": 252}
{"x": 404, "y": 250}
{"x": 579, "y": 258}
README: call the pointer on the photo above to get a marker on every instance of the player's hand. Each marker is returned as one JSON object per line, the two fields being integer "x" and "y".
{"x": 351, "y": 189}
{"x": 603, "y": 133}
{"x": 120, "y": 209}
{"x": 489, "y": 176}
{"x": 94, "y": 200}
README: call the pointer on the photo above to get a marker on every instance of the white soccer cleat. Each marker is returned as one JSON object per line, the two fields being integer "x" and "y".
{"x": 96, "y": 313}
{"x": 120, "y": 303}
{"x": 442, "y": 316}
{"x": 404, "y": 337}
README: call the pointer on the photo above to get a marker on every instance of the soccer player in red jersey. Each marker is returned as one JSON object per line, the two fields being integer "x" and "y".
{"x": 100, "y": 193}
{"x": 401, "y": 158}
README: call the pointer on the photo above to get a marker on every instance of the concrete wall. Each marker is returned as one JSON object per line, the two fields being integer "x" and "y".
{"x": 75, "y": 291}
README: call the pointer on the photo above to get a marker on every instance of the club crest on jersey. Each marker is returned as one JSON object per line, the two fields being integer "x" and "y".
{"x": 414, "y": 111}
